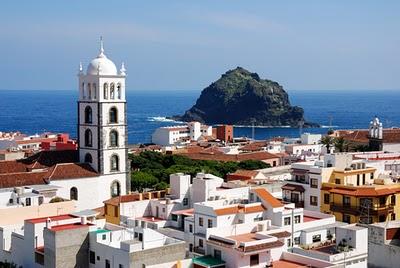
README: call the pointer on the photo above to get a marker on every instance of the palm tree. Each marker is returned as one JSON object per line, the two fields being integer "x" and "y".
{"x": 327, "y": 141}
{"x": 341, "y": 144}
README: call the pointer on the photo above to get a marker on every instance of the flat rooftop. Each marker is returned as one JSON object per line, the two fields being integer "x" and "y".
{"x": 52, "y": 218}
{"x": 244, "y": 237}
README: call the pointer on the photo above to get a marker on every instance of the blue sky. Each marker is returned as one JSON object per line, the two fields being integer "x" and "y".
{"x": 186, "y": 45}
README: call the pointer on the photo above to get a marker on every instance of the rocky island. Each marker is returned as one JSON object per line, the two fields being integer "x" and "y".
{"x": 241, "y": 97}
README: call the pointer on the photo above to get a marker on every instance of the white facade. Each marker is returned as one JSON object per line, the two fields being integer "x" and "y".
{"x": 180, "y": 134}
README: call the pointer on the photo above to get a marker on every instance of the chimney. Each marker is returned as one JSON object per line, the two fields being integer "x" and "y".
{"x": 48, "y": 223}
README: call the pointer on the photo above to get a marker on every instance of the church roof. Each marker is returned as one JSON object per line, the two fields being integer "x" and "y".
{"x": 361, "y": 135}
{"x": 43, "y": 167}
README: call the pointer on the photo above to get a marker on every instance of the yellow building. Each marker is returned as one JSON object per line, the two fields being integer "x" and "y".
{"x": 112, "y": 207}
{"x": 355, "y": 195}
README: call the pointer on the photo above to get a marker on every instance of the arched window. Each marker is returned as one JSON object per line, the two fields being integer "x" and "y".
{"x": 88, "y": 138}
{"x": 73, "y": 193}
{"x": 89, "y": 89}
{"x": 113, "y": 138}
{"x": 105, "y": 91}
{"x": 112, "y": 93}
{"x": 113, "y": 114}
{"x": 114, "y": 163}
{"x": 119, "y": 90}
{"x": 94, "y": 91}
{"x": 88, "y": 115}
{"x": 115, "y": 189}
{"x": 88, "y": 158}
{"x": 83, "y": 91}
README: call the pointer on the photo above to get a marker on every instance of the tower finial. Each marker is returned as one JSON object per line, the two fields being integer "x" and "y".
{"x": 101, "y": 45}
{"x": 80, "y": 68}
{"x": 122, "y": 70}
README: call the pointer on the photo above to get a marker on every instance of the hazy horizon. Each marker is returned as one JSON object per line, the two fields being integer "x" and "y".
{"x": 180, "y": 45}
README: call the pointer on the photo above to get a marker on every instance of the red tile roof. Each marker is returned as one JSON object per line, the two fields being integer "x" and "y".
{"x": 72, "y": 170}
{"x": 361, "y": 135}
{"x": 70, "y": 226}
{"x": 267, "y": 197}
{"x": 293, "y": 187}
{"x": 123, "y": 199}
{"x": 238, "y": 209}
{"x": 12, "y": 166}
{"x": 281, "y": 234}
{"x": 363, "y": 191}
{"x": 231, "y": 157}
{"x": 52, "y": 218}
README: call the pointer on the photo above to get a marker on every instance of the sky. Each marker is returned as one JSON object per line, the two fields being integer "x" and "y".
{"x": 186, "y": 45}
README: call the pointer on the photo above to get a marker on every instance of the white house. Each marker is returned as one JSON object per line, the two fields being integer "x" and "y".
{"x": 171, "y": 135}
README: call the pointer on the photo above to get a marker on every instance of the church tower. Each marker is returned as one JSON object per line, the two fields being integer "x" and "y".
{"x": 102, "y": 122}
{"x": 375, "y": 135}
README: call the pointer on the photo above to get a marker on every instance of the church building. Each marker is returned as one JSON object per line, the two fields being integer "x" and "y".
{"x": 99, "y": 169}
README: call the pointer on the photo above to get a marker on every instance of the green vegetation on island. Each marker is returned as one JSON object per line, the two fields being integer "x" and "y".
{"x": 151, "y": 170}
{"x": 241, "y": 97}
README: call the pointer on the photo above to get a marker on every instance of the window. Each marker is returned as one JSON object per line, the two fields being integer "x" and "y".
{"x": 112, "y": 93}
{"x": 108, "y": 264}
{"x": 326, "y": 198}
{"x": 113, "y": 115}
{"x": 286, "y": 221}
{"x": 372, "y": 175}
{"x": 115, "y": 189}
{"x": 185, "y": 201}
{"x": 337, "y": 181}
{"x": 88, "y": 115}
{"x": 314, "y": 183}
{"x": 174, "y": 217}
{"x": 217, "y": 254}
{"x": 358, "y": 179}
{"x": 119, "y": 91}
{"x": 258, "y": 218}
{"x": 114, "y": 163}
{"x": 382, "y": 218}
{"x": 297, "y": 240}
{"x": 89, "y": 89}
{"x": 120, "y": 266}
{"x": 365, "y": 203}
{"x": 346, "y": 218}
{"x": 201, "y": 243}
{"x": 288, "y": 242}
{"x": 114, "y": 138}
{"x": 313, "y": 200}
{"x": 254, "y": 260}
{"x": 28, "y": 201}
{"x": 200, "y": 221}
{"x": 364, "y": 179}
{"x": 297, "y": 219}
{"x": 274, "y": 163}
{"x": 83, "y": 91}
{"x": 88, "y": 158}
{"x": 393, "y": 200}
{"x": 94, "y": 91}
{"x": 88, "y": 138}
{"x": 382, "y": 200}
{"x": 190, "y": 247}
{"x": 316, "y": 238}
{"x": 105, "y": 91}
{"x": 92, "y": 257}
{"x": 73, "y": 193}
{"x": 190, "y": 228}
{"x": 346, "y": 201}
{"x": 393, "y": 216}
{"x": 104, "y": 237}
{"x": 210, "y": 223}
{"x": 115, "y": 211}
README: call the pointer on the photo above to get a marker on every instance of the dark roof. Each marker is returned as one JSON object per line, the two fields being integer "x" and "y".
{"x": 72, "y": 170}
{"x": 293, "y": 187}
{"x": 45, "y": 159}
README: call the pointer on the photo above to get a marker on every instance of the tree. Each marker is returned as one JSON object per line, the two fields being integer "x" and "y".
{"x": 341, "y": 144}
{"x": 162, "y": 185}
{"x": 141, "y": 180}
{"x": 253, "y": 164}
{"x": 327, "y": 141}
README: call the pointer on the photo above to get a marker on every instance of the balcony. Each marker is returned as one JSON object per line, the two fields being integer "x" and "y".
{"x": 199, "y": 250}
{"x": 356, "y": 210}
{"x": 298, "y": 204}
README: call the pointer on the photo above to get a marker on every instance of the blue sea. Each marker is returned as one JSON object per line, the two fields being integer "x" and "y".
{"x": 31, "y": 111}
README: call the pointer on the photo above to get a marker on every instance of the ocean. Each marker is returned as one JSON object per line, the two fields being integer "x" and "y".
{"x": 31, "y": 111}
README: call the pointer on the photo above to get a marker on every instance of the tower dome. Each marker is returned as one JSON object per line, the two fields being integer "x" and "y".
{"x": 101, "y": 64}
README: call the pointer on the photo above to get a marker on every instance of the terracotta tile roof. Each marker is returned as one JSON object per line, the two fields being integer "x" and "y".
{"x": 12, "y": 166}
{"x": 363, "y": 191}
{"x": 52, "y": 218}
{"x": 72, "y": 170}
{"x": 22, "y": 178}
{"x": 238, "y": 209}
{"x": 269, "y": 245}
{"x": 186, "y": 212}
{"x": 293, "y": 187}
{"x": 361, "y": 135}
{"x": 123, "y": 199}
{"x": 231, "y": 157}
{"x": 242, "y": 175}
{"x": 267, "y": 197}
{"x": 254, "y": 146}
{"x": 45, "y": 159}
{"x": 281, "y": 234}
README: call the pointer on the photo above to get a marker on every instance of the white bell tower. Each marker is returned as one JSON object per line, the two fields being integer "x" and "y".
{"x": 102, "y": 122}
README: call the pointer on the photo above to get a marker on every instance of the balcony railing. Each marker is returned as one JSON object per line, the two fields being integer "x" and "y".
{"x": 356, "y": 210}
{"x": 298, "y": 204}
{"x": 199, "y": 250}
